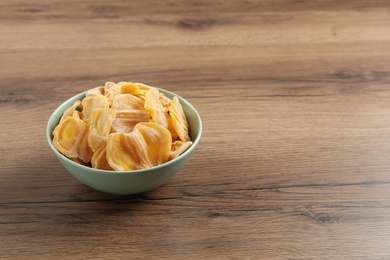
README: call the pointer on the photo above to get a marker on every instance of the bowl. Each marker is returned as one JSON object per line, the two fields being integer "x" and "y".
{"x": 127, "y": 182}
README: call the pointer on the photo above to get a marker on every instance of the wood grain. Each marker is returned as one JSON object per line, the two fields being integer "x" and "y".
{"x": 294, "y": 158}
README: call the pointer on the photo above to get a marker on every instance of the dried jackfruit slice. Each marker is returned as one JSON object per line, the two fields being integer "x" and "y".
{"x": 156, "y": 109}
{"x": 143, "y": 86}
{"x": 71, "y": 139}
{"x": 119, "y": 153}
{"x": 165, "y": 101}
{"x": 156, "y": 145}
{"x": 128, "y": 102}
{"x": 125, "y": 120}
{"x": 111, "y": 90}
{"x": 96, "y": 91}
{"x": 158, "y": 112}
{"x": 71, "y": 111}
{"x": 91, "y": 103}
{"x": 148, "y": 145}
{"x": 131, "y": 88}
{"x": 99, "y": 160}
{"x": 179, "y": 120}
{"x": 100, "y": 127}
{"x": 79, "y": 161}
{"x": 130, "y": 111}
{"x": 178, "y": 148}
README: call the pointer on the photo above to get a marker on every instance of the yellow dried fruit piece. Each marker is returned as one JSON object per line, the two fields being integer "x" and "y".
{"x": 156, "y": 109}
{"x": 178, "y": 148}
{"x": 126, "y": 120}
{"x": 165, "y": 101}
{"x": 111, "y": 90}
{"x": 148, "y": 145}
{"x": 131, "y": 88}
{"x": 79, "y": 161}
{"x": 100, "y": 127}
{"x": 130, "y": 111}
{"x": 96, "y": 91}
{"x": 91, "y": 103}
{"x": 156, "y": 145}
{"x": 158, "y": 112}
{"x": 72, "y": 112}
{"x": 179, "y": 120}
{"x": 71, "y": 139}
{"x": 128, "y": 102}
{"x": 99, "y": 160}
{"x": 120, "y": 155}
{"x": 143, "y": 86}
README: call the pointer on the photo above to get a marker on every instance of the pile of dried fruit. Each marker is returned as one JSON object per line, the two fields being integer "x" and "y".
{"x": 123, "y": 126}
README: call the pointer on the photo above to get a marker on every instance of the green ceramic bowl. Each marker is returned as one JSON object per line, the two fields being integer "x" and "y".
{"x": 127, "y": 182}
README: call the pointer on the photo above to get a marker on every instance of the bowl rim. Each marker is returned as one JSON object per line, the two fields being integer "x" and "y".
{"x": 80, "y": 96}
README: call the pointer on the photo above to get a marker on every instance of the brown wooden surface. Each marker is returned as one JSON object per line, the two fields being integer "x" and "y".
{"x": 294, "y": 162}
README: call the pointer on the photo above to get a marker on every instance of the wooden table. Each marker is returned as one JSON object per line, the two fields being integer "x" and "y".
{"x": 294, "y": 162}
